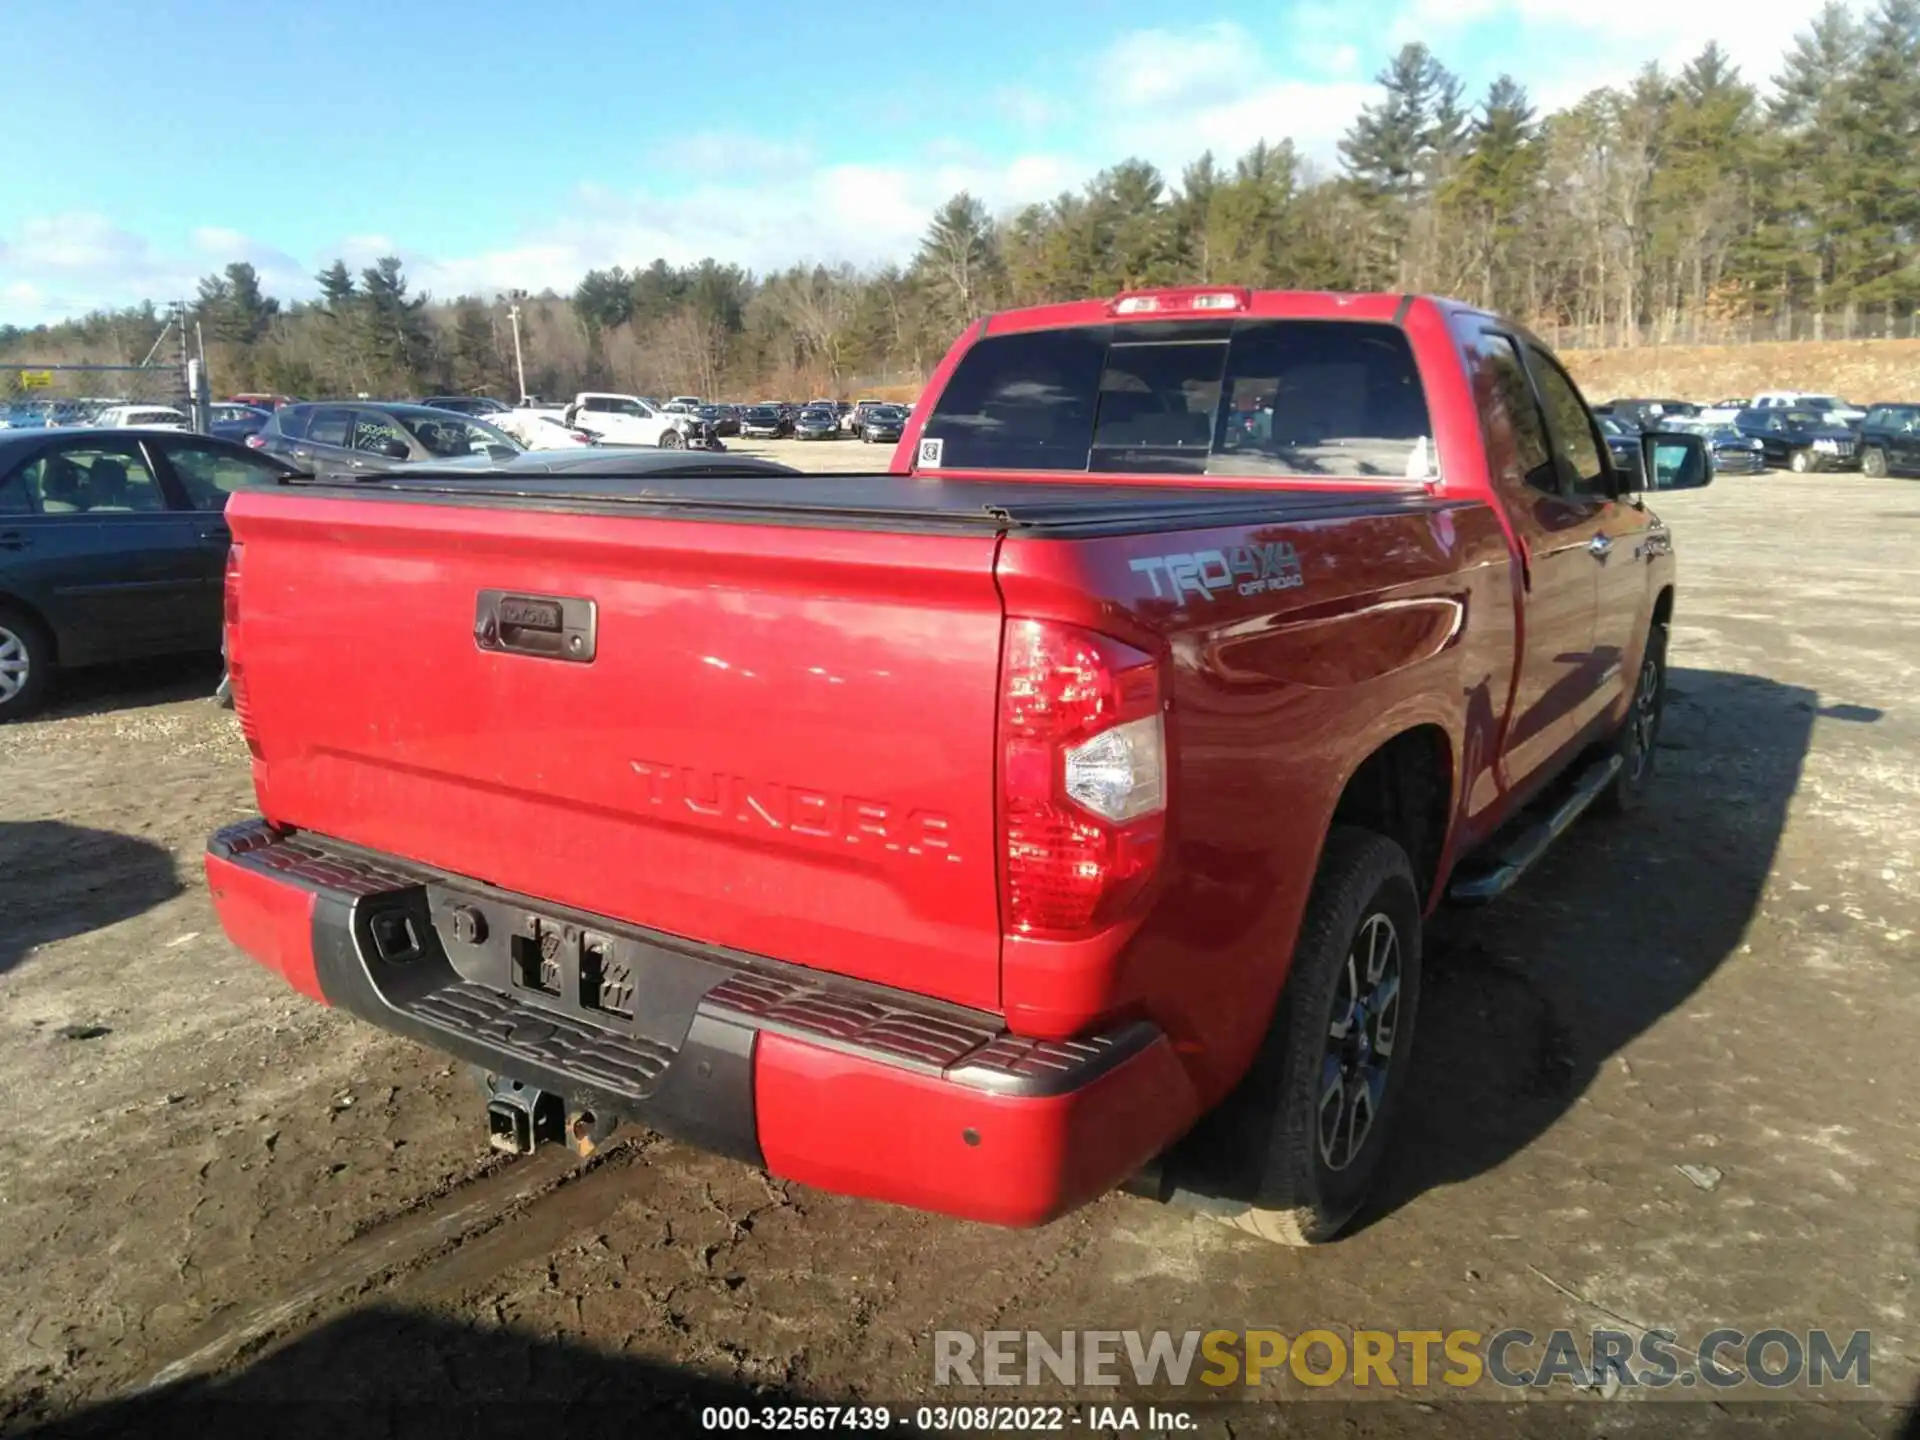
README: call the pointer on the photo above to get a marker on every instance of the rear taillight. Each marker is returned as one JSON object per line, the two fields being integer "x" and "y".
{"x": 236, "y": 671}
{"x": 256, "y": 441}
{"x": 1083, "y": 777}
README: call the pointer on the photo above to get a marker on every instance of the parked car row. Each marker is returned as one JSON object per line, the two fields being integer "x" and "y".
{"x": 1779, "y": 429}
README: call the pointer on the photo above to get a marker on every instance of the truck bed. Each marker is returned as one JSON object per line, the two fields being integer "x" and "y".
{"x": 904, "y": 504}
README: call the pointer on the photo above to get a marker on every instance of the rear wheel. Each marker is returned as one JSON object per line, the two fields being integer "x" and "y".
{"x": 1873, "y": 460}
{"x": 1638, "y": 738}
{"x": 1327, "y": 1082}
{"x": 26, "y": 663}
{"x": 1800, "y": 462}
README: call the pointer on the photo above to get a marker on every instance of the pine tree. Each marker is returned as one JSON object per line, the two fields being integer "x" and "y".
{"x": 476, "y": 357}
{"x": 957, "y": 260}
{"x": 1484, "y": 202}
{"x": 604, "y": 299}
{"x": 336, "y": 288}
{"x": 1879, "y": 124}
{"x": 1702, "y": 196}
{"x": 398, "y": 345}
{"x": 1398, "y": 152}
{"x": 1802, "y": 170}
{"x": 1138, "y": 228}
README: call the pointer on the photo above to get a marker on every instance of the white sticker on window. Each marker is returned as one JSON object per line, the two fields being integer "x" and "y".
{"x": 930, "y": 454}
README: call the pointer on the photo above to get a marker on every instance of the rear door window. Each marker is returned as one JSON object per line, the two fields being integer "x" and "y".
{"x": 330, "y": 427}
{"x": 291, "y": 420}
{"x": 110, "y": 478}
{"x": 1214, "y": 397}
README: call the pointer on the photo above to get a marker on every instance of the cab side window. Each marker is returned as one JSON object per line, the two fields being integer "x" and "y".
{"x": 1508, "y": 407}
{"x": 1570, "y": 426}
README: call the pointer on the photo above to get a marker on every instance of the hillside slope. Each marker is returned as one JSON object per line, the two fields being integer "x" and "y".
{"x": 1863, "y": 371}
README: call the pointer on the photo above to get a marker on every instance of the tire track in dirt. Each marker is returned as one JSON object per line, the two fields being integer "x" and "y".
{"x": 385, "y": 1253}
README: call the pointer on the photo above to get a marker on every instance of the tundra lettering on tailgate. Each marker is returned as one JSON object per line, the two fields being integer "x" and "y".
{"x": 1244, "y": 569}
{"x": 808, "y": 817}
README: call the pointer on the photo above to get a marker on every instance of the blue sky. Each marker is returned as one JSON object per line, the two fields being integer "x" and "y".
{"x": 494, "y": 146}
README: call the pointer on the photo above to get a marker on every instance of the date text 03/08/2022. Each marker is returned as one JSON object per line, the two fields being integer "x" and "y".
{"x": 1005, "y": 1419}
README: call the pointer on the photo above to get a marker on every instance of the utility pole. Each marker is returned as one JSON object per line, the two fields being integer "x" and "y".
{"x": 514, "y": 297}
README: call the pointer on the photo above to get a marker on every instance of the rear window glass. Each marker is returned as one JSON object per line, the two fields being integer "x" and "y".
{"x": 1249, "y": 397}
{"x": 292, "y": 420}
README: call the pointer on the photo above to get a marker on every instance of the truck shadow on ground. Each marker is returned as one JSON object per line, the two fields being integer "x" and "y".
{"x": 59, "y": 880}
{"x": 387, "y": 1371}
{"x": 1618, "y": 926}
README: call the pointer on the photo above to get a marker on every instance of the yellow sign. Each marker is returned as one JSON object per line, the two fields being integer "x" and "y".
{"x": 36, "y": 379}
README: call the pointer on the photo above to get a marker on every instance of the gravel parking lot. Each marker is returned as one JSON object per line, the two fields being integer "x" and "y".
{"x": 205, "y": 1174}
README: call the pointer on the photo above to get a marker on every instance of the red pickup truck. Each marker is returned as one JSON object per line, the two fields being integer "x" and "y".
{"x": 961, "y": 836}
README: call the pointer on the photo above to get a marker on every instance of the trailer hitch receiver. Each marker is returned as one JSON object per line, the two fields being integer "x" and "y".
{"x": 521, "y": 1117}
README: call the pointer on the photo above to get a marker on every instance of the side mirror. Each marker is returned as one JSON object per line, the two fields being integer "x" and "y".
{"x": 395, "y": 449}
{"x": 1670, "y": 460}
{"x": 500, "y": 454}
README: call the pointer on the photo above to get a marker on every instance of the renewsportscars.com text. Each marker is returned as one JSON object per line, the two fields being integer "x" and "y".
{"x": 1509, "y": 1359}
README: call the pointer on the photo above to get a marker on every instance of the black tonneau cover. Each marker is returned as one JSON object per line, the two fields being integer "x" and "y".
{"x": 881, "y": 501}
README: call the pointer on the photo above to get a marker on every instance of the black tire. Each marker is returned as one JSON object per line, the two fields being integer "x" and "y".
{"x": 1800, "y": 462}
{"x": 1638, "y": 742}
{"x": 1363, "y": 896}
{"x": 672, "y": 440}
{"x": 23, "y": 643}
{"x": 1873, "y": 461}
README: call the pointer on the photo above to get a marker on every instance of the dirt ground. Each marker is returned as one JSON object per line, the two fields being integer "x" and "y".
{"x": 1866, "y": 372}
{"x": 202, "y": 1173}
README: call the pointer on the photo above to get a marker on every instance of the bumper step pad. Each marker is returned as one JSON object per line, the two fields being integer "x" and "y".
{"x": 444, "y": 960}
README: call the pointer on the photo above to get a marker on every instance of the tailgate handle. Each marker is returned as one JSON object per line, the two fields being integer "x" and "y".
{"x": 549, "y": 627}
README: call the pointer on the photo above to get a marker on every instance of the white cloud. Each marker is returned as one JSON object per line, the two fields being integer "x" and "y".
{"x": 1028, "y": 107}
{"x": 1167, "y": 95}
{"x": 1150, "y": 69}
{"x": 732, "y": 152}
{"x": 861, "y": 214}
{"x": 1583, "y": 46}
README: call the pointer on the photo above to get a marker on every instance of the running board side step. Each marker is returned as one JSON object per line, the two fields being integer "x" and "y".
{"x": 1503, "y": 871}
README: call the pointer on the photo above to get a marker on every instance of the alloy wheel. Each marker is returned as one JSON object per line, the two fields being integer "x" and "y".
{"x": 1645, "y": 718}
{"x": 1360, "y": 1040}
{"x": 16, "y": 664}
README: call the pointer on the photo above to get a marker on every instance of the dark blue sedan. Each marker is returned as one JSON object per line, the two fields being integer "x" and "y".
{"x": 112, "y": 547}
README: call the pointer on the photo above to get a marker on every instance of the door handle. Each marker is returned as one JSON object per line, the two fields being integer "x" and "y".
{"x": 216, "y": 532}
{"x": 14, "y": 540}
{"x": 1599, "y": 547}
{"x": 303, "y": 454}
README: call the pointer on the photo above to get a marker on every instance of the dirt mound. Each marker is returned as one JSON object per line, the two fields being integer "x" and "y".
{"x": 1863, "y": 371}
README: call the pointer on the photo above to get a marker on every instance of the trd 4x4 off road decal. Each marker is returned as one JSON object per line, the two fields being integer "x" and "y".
{"x": 1241, "y": 570}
